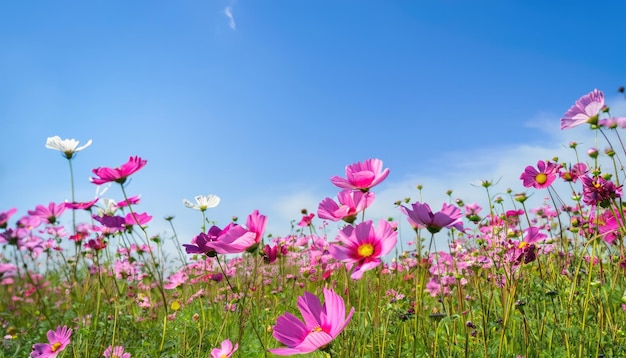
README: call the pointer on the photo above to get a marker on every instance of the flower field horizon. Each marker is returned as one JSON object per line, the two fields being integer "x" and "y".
{"x": 89, "y": 278}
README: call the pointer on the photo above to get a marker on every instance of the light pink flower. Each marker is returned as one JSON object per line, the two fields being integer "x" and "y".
{"x": 351, "y": 202}
{"x": 49, "y": 213}
{"x": 137, "y": 219}
{"x": 226, "y": 349}
{"x": 115, "y": 352}
{"x": 364, "y": 246}
{"x": 58, "y": 340}
{"x": 362, "y": 175}
{"x": 118, "y": 175}
{"x": 321, "y": 324}
{"x": 585, "y": 110}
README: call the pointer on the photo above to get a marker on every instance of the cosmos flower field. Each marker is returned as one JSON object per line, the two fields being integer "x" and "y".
{"x": 89, "y": 279}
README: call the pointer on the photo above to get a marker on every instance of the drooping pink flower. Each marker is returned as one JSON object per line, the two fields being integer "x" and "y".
{"x": 133, "y": 200}
{"x": 118, "y": 175}
{"x": 351, "y": 202}
{"x": 81, "y": 205}
{"x": 226, "y": 349}
{"x": 5, "y": 216}
{"x": 136, "y": 219}
{"x": 49, "y": 213}
{"x": 322, "y": 324}
{"x": 115, "y": 352}
{"x": 542, "y": 176}
{"x": 233, "y": 239}
{"x": 57, "y": 341}
{"x": 586, "y": 110}
{"x": 448, "y": 217}
{"x": 364, "y": 246}
{"x": 362, "y": 175}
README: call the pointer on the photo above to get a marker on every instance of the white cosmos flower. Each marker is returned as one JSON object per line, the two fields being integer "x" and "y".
{"x": 67, "y": 146}
{"x": 203, "y": 202}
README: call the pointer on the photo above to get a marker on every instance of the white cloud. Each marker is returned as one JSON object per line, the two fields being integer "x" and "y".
{"x": 228, "y": 11}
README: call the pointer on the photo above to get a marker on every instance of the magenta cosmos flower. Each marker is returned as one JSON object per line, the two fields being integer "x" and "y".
{"x": 321, "y": 324}
{"x": 118, "y": 175}
{"x": 233, "y": 239}
{"x": 421, "y": 214}
{"x": 585, "y": 110}
{"x": 226, "y": 349}
{"x": 5, "y": 216}
{"x": 351, "y": 202}
{"x": 363, "y": 246}
{"x": 362, "y": 175}
{"x": 542, "y": 176}
{"x": 58, "y": 340}
{"x": 599, "y": 191}
{"x": 115, "y": 352}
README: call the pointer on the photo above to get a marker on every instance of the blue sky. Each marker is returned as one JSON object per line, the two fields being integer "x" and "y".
{"x": 261, "y": 102}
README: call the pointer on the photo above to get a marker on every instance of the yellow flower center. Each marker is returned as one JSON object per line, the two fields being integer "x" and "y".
{"x": 366, "y": 250}
{"x": 522, "y": 245}
{"x": 317, "y": 329}
{"x": 223, "y": 356}
{"x": 541, "y": 178}
{"x": 54, "y": 346}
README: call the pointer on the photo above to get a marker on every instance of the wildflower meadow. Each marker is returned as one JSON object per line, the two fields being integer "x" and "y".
{"x": 89, "y": 279}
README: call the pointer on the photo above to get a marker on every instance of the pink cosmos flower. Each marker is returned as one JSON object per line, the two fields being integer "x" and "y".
{"x": 270, "y": 253}
{"x": 256, "y": 224}
{"x": 116, "y": 352}
{"x": 233, "y": 239}
{"x": 113, "y": 222}
{"x": 118, "y": 175}
{"x": 526, "y": 249}
{"x": 321, "y": 324}
{"x": 306, "y": 220}
{"x": 585, "y": 110}
{"x": 49, "y": 213}
{"x": 177, "y": 279}
{"x": 136, "y": 219}
{"x": 81, "y": 205}
{"x": 574, "y": 173}
{"x": 133, "y": 200}
{"x": 364, "y": 246}
{"x": 362, "y": 175}
{"x": 448, "y": 217}
{"x": 5, "y": 216}
{"x": 351, "y": 202}
{"x": 542, "y": 177}
{"x": 226, "y": 349}
{"x": 58, "y": 340}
